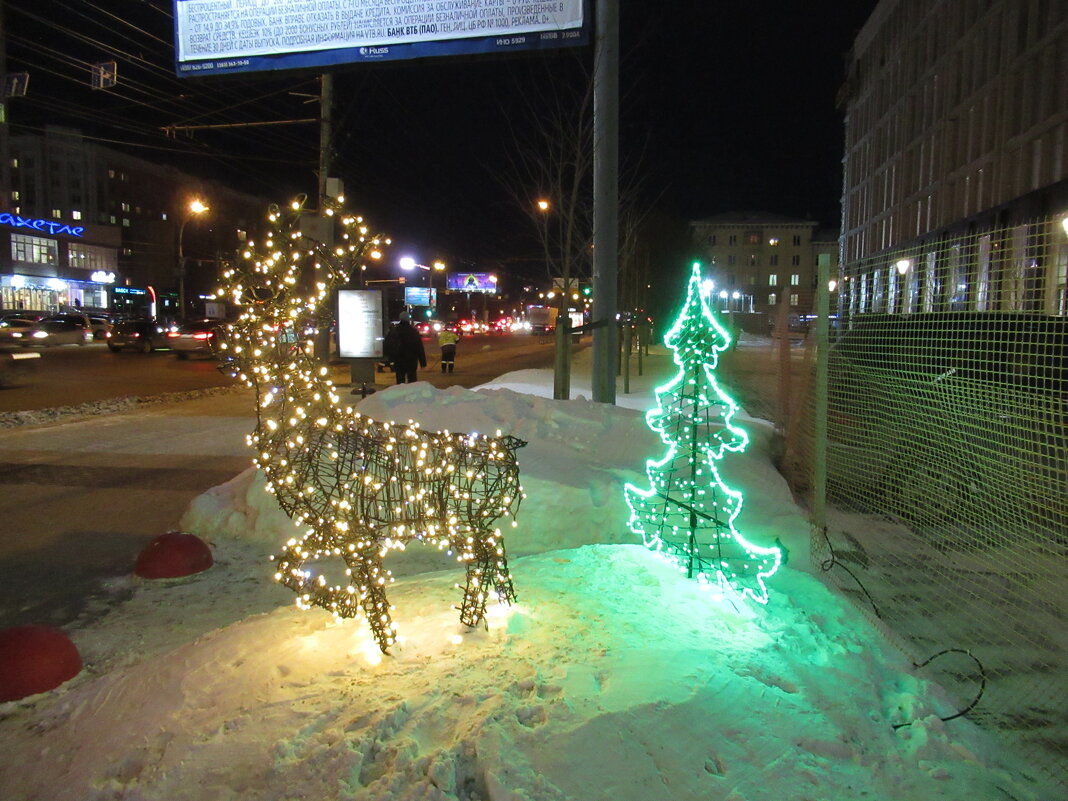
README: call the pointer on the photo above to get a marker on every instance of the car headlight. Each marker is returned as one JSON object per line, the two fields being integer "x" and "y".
{"x": 40, "y": 334}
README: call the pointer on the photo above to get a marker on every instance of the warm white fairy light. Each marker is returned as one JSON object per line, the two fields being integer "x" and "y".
{"x": 359, "y": 488}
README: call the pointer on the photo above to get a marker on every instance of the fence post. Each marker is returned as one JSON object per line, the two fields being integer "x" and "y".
{"x": 819, "y": 467}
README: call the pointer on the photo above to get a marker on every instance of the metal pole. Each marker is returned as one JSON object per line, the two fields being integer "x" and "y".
{"x": 326, "y": 103}
{"x": 605, "y": 199}
{"x": 819, "y": 468}
{"x": 321, "y": 343}
{"x": 181, "y": 268}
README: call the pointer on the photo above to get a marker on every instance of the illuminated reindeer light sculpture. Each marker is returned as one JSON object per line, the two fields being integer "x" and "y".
{"x": 359, "y": 486}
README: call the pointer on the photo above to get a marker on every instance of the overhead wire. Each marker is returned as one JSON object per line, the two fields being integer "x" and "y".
{"x": 181, "y": 104}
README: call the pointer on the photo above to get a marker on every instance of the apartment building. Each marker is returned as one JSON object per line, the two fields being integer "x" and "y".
{"x": 759, "y": 261}
{"x": 955, "y": 185}
{"x": 88, "y": 226}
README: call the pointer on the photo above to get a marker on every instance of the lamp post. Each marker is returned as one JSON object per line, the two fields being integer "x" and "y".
{"x": 194, "y": 209}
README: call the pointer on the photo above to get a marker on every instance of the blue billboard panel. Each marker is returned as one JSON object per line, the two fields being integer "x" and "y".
{"x": 226, "y": 36}
{"x": 472, "y": 282}
{"x": 420, "y": 296}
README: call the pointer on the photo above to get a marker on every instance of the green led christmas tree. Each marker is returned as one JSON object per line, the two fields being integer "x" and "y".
{"x": 688, "y": 513}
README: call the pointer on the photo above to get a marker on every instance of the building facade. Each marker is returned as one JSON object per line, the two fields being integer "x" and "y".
{"x": 90, "y": 227}
{"x": 761, "y": 262}
{"x": 955, "y": 185}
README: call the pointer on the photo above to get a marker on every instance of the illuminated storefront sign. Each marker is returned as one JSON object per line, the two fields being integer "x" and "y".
{"x": 44, "y": 226}
{"x": 102, "y": 277}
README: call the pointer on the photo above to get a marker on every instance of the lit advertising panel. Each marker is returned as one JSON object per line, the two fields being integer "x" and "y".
{"x": 226, "y": 36}
{"x": 360, "y": 316}
{"x": 472, "y": 282}
{"x": 420, "y": 296}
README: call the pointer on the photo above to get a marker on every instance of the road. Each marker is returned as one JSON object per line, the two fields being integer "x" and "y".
{"x": 80, "y": 499}
{"x": 69, "y": 375}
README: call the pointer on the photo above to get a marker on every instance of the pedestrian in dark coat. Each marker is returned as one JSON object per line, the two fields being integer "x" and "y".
{"x": 404, "y": 349}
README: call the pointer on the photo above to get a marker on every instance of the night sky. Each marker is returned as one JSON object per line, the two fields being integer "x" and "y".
{"x": 725, "y": 106}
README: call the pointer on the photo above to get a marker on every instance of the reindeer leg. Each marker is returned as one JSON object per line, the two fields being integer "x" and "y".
{"x": 487, "y": 574}
{"x": 473, "y": 609}
{"x": 500, "y": 578}
{"x": 370, "y": 579}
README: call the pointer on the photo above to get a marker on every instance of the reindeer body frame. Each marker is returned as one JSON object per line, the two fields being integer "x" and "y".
{"x": 360, "y": 487}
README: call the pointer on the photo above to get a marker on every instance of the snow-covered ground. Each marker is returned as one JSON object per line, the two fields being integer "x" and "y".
{"x": 613, "y": 677}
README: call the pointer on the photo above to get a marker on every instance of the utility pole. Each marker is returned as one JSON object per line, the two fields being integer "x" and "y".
{"x": 326, "y": 103}
{"x": 605, "y": 200}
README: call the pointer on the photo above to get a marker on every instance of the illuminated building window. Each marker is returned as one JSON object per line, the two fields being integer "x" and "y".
{"x": 34, "y": 249}
{"x": 772, "y": 298}
{"x": 76, "y": 215}
{"x": 90, "y": 257}
{"x": 795, "y": 279}
{"x": 57, "y": 213}
{"x": 774, "y": 241}
{"x": 793, "y": 298}
{"x": 773, "y": 279}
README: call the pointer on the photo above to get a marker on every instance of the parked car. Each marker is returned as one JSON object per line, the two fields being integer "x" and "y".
{"x": 99, "y": 326}
{"x": 60, "y": 329}
{"x": 201, "y": 337}
{"x": 951, "y": 417}
{"x": 142, "y": 335}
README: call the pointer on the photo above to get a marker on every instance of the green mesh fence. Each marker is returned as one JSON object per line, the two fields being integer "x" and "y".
{"x": 946, "y": 469}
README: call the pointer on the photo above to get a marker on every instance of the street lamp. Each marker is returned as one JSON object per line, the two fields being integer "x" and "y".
{"x": 194, "y": 209}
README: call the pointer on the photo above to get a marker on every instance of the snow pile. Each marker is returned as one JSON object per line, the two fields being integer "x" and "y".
{"x": 612, "y": 678}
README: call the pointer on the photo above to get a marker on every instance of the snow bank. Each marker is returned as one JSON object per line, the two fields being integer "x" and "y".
{"x": 613, "y": 677}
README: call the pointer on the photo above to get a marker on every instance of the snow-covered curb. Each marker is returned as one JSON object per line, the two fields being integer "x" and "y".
{"x": 64, "y": 414}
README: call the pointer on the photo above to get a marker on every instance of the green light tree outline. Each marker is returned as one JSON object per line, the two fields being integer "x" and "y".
{"x": 688, "y": 512}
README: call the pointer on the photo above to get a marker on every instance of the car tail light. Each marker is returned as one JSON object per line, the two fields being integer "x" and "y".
{"x": 202, "y": 335}
{"x": 172, "y": 334}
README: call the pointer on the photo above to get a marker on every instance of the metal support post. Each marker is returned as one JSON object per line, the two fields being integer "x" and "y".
{"x": 605, "y": 199}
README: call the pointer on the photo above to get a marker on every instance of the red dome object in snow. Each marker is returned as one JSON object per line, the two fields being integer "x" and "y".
{"x": 172, "y": 555}
{"x": 35, "y": 659}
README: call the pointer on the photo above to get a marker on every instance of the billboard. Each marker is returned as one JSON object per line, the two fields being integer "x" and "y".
{"x": 472, "y": 282}
{"x": 360, "y": 323}
{"x": 226, "y": 36}
{"x": 420, "y": 296}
